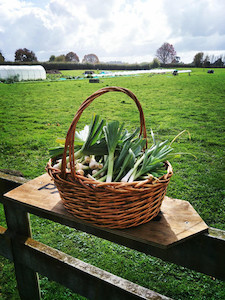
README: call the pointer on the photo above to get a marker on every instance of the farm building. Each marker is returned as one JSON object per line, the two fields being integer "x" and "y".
{"x": 23, "y": 72}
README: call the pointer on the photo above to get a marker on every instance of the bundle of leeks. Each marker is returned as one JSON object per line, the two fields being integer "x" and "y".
{"x": 108, "y": 152}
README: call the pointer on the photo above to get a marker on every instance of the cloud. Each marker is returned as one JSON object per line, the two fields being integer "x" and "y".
{"x": 129, "y": 30}
{"x": 199, "y": 24}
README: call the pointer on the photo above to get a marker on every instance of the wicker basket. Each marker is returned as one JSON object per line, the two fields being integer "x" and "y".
{"x": 114, "y": 204}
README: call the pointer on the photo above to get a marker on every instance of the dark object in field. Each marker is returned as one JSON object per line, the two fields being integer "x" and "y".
{"x": 210, "y": 71}
{"x": 94, "y": 80}
{"x": 88, "y": 72}
{"x": 175, "y": 72}
{"x": 53, "y": 72}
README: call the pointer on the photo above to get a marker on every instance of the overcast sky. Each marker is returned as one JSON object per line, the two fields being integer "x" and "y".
{"x": 114, "y": 30}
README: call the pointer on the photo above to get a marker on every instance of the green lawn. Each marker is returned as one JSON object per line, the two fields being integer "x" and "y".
{"x": 34, "y": 114}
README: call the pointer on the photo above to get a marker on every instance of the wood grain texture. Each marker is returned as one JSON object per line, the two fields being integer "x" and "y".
{"x": 179, "y": 220}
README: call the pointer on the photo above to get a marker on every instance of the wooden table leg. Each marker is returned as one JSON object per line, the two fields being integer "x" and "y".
{"x": 19, "y": 226}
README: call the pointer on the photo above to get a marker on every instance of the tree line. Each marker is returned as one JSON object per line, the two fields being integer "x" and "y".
{"x": 73, "y": 57}
{"x": 205, "y": 60}
{"x": 26, "y": 55}
{"x": 165, "y": 55}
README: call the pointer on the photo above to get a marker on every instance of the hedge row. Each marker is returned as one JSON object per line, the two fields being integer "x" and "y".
{"x": 100, "y": 66}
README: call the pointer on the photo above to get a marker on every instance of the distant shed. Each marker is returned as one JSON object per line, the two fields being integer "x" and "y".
{"x": 23, "y": 72}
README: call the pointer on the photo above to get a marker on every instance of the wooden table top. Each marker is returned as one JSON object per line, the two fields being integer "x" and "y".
{"x": 178, "y": 222}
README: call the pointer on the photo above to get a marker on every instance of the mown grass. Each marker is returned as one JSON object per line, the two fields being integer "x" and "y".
{"x": 33, "y": 115}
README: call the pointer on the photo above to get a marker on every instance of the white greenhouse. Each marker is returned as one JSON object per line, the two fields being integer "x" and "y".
{"x": 23, "y": 72}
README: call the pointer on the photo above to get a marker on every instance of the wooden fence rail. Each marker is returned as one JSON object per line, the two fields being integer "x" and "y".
{"x": 31, "y": 257}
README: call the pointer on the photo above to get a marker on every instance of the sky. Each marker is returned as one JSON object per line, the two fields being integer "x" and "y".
{"x": 115, "y": 30}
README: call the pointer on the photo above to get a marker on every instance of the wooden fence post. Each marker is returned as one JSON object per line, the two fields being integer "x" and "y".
{"x": 19, "y": 226}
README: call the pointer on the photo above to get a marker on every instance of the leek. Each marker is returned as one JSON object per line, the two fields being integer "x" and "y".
{"x": 112, "y": 133}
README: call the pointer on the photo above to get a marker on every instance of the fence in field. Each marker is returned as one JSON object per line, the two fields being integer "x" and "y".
{"x": 185, "y": 240}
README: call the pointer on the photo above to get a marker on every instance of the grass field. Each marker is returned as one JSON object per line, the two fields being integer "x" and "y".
{"x": 34, "y": 114}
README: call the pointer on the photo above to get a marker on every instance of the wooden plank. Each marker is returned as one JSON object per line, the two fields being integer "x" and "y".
{"x": 179, "y": 220}
{"x": 217, "y": 233}
{"x": 5, "y": 249}
{"x": 9, "y": 182}
{"x": 188, "y": 253}
{"x": 27, "y": 279}
{"x": 203, "y": 253}
{"x": 80, "y": 277}
{"x": 15, "y": 180}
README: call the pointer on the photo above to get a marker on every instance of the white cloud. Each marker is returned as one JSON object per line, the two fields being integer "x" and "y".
{"x": 127, "y": 30}
{"x": 197, "y": 23}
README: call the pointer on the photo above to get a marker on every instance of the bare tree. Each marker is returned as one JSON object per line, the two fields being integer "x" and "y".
{"x": 218, "y": 62}
{"x": 206, "y": 61}
{"x": 91, "y": 59}
{"x": 223, "y": 58}
{"x": 212, "y": 58}
{"x": 166, "y": 53}
{"x": 71, "y": 56}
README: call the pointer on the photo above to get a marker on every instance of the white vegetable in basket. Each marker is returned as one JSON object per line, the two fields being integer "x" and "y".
{"x": 90, "y": 141}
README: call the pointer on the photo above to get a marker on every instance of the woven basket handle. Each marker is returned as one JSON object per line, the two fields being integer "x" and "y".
{"x": 71, "y": 132}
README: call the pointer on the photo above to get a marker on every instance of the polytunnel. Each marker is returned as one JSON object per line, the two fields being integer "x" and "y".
{"x": 23, "y": 72}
